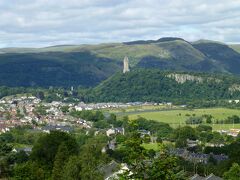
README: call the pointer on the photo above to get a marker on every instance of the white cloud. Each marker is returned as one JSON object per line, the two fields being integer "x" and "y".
{"x": 44, "y": 22}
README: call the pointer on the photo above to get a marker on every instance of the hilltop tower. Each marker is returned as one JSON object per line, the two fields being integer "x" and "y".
{"x": 126, "y": 65}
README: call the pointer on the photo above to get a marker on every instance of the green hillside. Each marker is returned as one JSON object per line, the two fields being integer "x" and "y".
{"x": 88, "y": 65}
{"x": 155, "y": 85}
{"x": 55, "y": 69}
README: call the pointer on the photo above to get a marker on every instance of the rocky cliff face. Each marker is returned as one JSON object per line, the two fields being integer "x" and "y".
{"x": 234, "y": 88}
{"x": 182, "y": 78}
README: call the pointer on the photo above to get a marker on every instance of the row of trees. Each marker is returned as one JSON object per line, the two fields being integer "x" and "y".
{"x": 208, "y": 119}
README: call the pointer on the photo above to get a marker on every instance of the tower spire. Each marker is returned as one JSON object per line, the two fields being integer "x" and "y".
{"x": 126, "y": 65}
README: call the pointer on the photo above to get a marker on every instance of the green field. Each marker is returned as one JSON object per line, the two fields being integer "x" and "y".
{"x": 178, "y": 117}
{"x": 154, "y": 146}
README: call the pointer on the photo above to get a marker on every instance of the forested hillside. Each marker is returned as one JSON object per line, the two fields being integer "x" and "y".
{"x": 55, "y": 69}
{"x": 155, "y": 85}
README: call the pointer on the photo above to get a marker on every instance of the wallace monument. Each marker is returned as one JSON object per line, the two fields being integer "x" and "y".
{"x": 126, "y": 65}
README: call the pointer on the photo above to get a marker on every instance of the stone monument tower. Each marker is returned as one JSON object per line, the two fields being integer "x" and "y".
{"x": 126, "y": 65}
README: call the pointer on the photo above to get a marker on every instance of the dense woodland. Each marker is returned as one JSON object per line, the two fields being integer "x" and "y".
{"x": 58, "y": 69}
{"x": 145, "y": 85}
{"x": 154, "y": 85}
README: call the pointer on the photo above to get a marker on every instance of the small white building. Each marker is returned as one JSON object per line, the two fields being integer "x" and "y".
{"x": 110, "y": 132}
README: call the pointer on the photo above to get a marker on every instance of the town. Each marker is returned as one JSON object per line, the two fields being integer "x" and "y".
{"x": 31, "y": 111}
{"x": 198, "y": 148}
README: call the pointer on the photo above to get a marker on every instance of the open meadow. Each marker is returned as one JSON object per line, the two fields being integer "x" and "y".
{"x": 178, "y": 117}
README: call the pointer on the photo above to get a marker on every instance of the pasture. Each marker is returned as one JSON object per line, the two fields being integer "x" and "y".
{"x": 178, "y": 117}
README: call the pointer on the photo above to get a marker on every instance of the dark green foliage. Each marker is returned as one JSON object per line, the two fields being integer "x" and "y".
{"x": 102, "y": 124}
{"x": 6, "y": 91}
{"x": 181, "y": 143}
{"x": 112, "y": 119}
{"x": 233, "y": 173}
{"x": 222, "y": 54}
{"x": 208, "y": 118}
{"x": 194, "y": 120}
{"x": 142, "y": 163}
{"x": 185, "y": 132}
{"x": 202, "y": 128}
{"x": 154, "y": 85}
{"x": 5, "y": 149}
{"x": 21, "y": 157}
{"x": 65, "y": 109}
{"x": 29, "y": 171}
{"x": 182, "y": 134}
{"x": 6, "y": 137}
{"x": 88, "y": 115}
{"x": 162, "y": 130}
{"x": 120, "y": 138}
{"x": 72, "y": 169}
{"x": 232, "y": 119}
{"x": 54, "y": 69}
{"x": 148, "y": 85}
{"x": 21, "y": 135}
{"x": 212, "y": 160}
{"x": 163, "y": 168}
{"x": 59, "y": 162}
{"x": 217, "y": 138}
{"x": 133, "y": 149}
{"x": 91, "y": 158}
{"x": 46, "y": 147}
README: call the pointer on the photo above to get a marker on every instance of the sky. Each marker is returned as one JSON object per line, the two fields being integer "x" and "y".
{"x": 39, "y": 23}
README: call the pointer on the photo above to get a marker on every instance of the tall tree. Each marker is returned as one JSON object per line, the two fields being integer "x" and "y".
{"x": 92, "y": 158}
{"x": 60, "y": 158}
{"x": 46, "y": 147}
{"x": 233, "y": 173}
{"x": 72, "y": 169}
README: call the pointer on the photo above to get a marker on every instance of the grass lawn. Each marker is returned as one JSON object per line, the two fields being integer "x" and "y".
{"x": 157, "y": 146}
{"x": 154, "y": 146}
{"x": 177, "y": 117}
{"x": 17, "y": 145}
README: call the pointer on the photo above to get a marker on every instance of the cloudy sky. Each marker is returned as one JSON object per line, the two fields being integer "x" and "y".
{"x": 37, "y": 23}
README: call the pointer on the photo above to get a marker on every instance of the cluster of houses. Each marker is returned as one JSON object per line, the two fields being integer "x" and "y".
{"x": 236, "y": 101}
{"x": 10, "y": 110}
{"x": 197, "y": 157}
{"x": 17, "y": 111}
{"x": 232, "y": 132}
{"x": 22, "y": 111}
{"x": 83, "y": 106}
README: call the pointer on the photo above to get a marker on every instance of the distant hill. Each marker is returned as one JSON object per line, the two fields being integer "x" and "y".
{"x": 55, "y": 69}
{"x": 236, "y": 47}
{"x": 154, "y": 85}
{"x": 89, "y": 65}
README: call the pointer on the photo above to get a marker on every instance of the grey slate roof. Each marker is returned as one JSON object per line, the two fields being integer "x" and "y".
{"x": 197, "y": 177}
